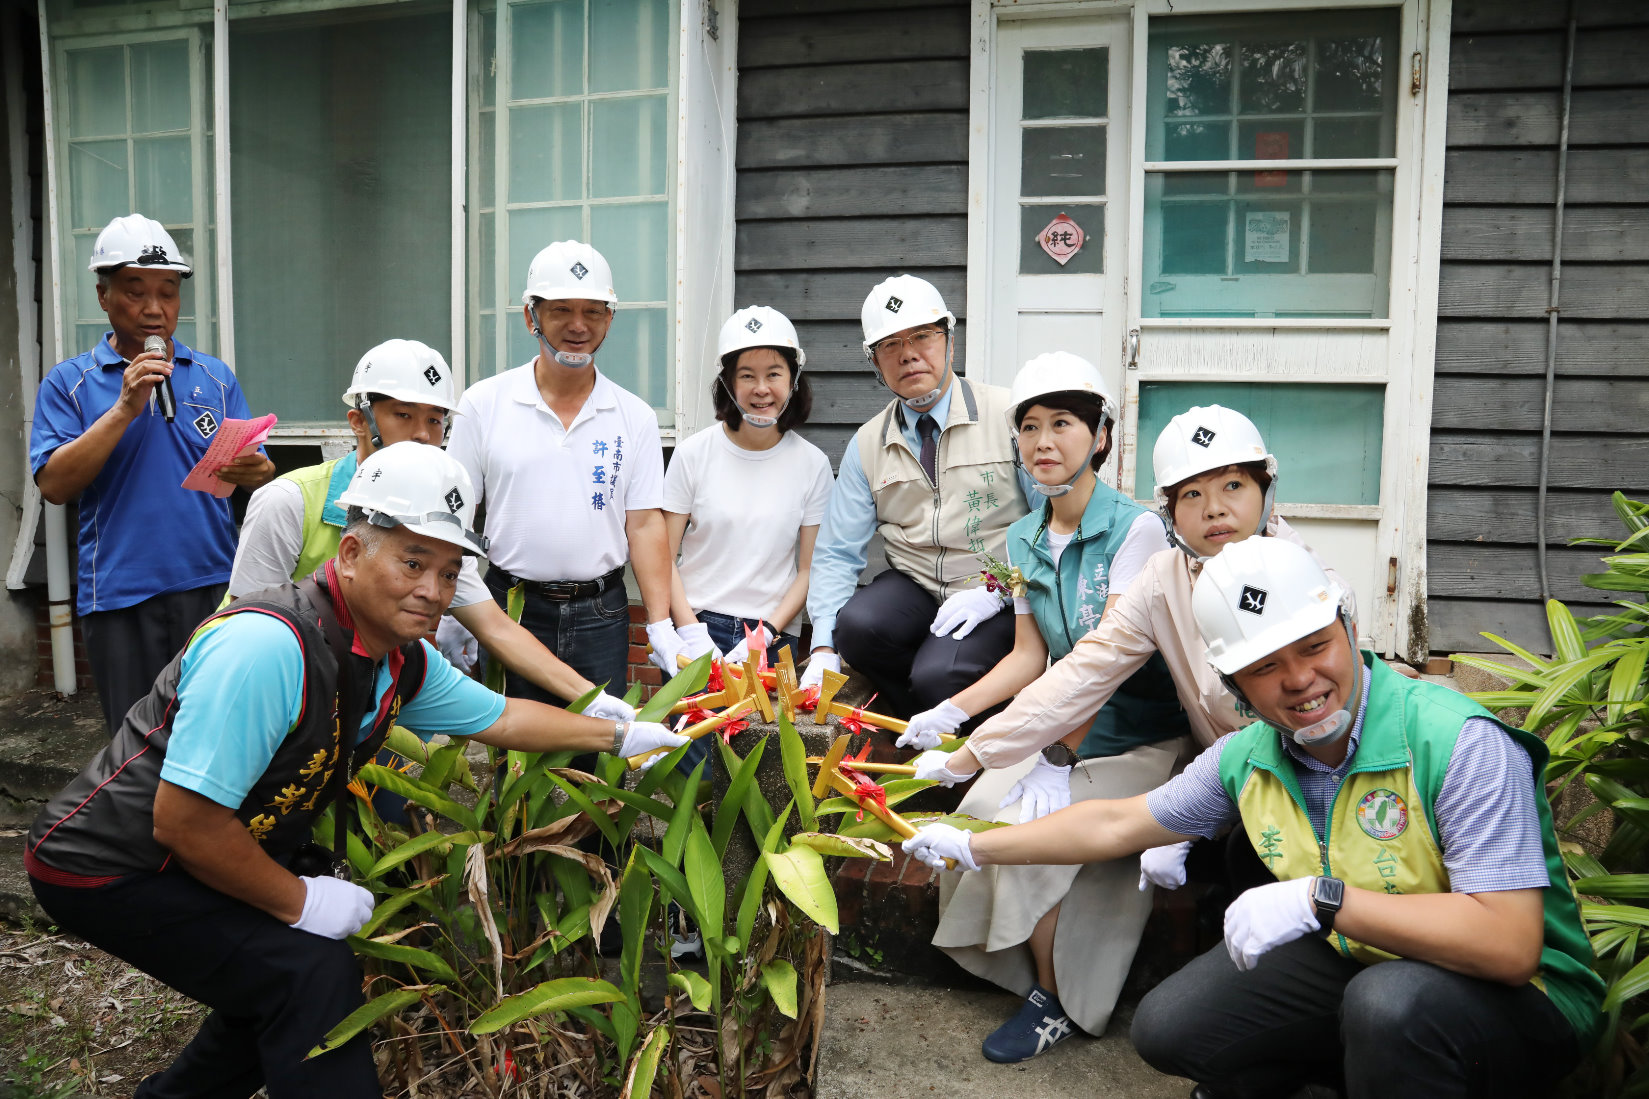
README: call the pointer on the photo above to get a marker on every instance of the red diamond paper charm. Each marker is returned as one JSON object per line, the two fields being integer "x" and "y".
{"x": 1061, "y": 239}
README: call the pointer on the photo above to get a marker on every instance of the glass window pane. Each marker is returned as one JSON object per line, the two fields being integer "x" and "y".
{"x": 1036, "y": 222}
{"x": 635, "y": 238}
{"x": 1343, "y": 237}
{"x": 1350, "y": 74}
{"x": 185, "y": 240}
{"x": 185, "y": 333}
{"x": 519, "y": 345}
{"x": 1198, "y": 141}
{"x": 486, "y": 157}
{"x": 629, "y": 45}
{"x": 1062, "y": 160}
{"x": 355, "y": 200}
{"x": 1066, "y": 83}
{"x": 486, "y": 262}
{"x": 486, "y": 346}
{"x": 1270, "y": 140}
{"x": 637, "y": 355}
{"x": 1198, "y": 77}
{"x": 160, "y": 86}
{"x": 87, "y": 335}
{"x": 1289, "y": 416}
{"x": 546, "y": 153}
{"x": 1273, "y": 77}
{"x": 1347, "y": 137}
{"x": 546, "y": 49}
{"x": 628, "y": 146}
{"x": 97, "y": 92}
{"x": 85, "y": 283}
{"x": 1193, "y": 238}
{"x": 165, "y": 187}
{"x": 487, "y": 50}
{"x": 530, "y": 231}
{"x": 97, "y": 182}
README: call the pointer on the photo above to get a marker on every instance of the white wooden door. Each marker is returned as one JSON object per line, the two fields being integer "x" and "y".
{"x": 1058, "y": 205}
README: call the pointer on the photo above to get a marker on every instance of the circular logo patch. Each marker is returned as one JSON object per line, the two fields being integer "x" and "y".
{"x": 1382, "y": 814}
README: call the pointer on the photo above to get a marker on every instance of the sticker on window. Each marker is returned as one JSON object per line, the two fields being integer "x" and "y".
{"x": 1265, "y": 237}
{"x": 1061, "y": 238}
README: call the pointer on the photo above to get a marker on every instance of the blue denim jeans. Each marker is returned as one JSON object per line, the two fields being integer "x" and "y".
{"x": 726, "y": 632}
{"x": 591, "y": 634}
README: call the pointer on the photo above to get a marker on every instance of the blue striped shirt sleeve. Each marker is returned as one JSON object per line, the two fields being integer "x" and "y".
{"x": 1194, "y": 802}
{"x": 1486, "y": 817}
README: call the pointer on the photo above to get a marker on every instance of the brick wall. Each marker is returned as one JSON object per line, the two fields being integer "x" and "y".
{"x": 43, "y": 650}
{"x": 641, "y": 670}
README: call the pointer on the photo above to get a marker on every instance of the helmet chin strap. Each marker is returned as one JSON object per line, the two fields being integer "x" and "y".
{"x": 1052, "y": 491}
{"x": 1202, "y": 559}
{"x": 1333, "y": 728}
{"x": 924, "y": 402}
{"x": 565, "y": 358}
{"x": 760, "y": 421}
{"x": 364, "y": 407}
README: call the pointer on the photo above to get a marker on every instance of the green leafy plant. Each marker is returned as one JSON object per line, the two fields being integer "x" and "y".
{"x": 482, "y": 952}
{"x": 1588, "y": 702}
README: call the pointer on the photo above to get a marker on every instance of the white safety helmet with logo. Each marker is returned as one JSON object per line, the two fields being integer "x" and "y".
{"x": 404, "y": 370}
{"x": 898, "y": 303}
{"x": 758, "y": 326}
{"x": 418, "y": 487}
{"x": 1058, "y": 372}
{"x": 1262, "y": 595}
{"x": 568, "y": 270}
{"x": 140, "y": 242}
{"x": 1204, "y": 438}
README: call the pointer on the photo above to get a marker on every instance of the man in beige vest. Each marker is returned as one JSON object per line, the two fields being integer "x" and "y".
{"x": 934, "y": 474}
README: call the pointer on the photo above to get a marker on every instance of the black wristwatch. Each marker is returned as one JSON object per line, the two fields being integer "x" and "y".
{"x": 1059, "y": 754}
{"x": 1327, "y": 894}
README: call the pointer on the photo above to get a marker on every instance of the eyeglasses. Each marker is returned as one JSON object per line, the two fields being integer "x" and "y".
{"x": 921, "y": 342}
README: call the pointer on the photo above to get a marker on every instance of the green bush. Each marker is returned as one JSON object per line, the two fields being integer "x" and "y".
{"x": 1587, "y": 701}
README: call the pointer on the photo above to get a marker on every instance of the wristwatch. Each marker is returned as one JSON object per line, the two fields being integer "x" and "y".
{"x": 1059, "y": 754}
{"x": 619, "y": 729}
{"x": 1327, "y": 894}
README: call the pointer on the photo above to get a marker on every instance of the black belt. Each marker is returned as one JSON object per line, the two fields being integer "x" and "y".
{"x": 563, "y": 589}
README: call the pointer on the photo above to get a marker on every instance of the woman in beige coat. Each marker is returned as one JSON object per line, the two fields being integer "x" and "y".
{"x": 1216, "y": 484}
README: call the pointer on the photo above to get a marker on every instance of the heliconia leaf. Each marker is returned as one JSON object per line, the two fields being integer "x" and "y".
{"x": 689, "y": 681}
{"x": 693, "y": 986}
{"x": 376, "y": 774}
{"x": 392, "y": 904}
{"x": 756, "y": 883}
{"x": 432, "y": 964}
{"x": 638, "y": 1083}
{"x": 363, "y": 1017}
{"x": 417, "y": 845}
{"x": 561, "y": 994}
{"x": 779, "y": 978}
{"x": 794, "y": 754}
{"x": 738, "y": 789}
{"x": 702, "y": 868}
{"x": 800, "y": 874}
{"x": 826, "y": 843}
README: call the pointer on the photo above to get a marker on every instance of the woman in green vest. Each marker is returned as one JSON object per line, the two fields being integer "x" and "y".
{"x": 1067, "y": 562}
{"x": 1421, "y": 937}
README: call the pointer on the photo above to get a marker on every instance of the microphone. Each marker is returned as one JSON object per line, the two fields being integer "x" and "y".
{"x": 163, "y": 391}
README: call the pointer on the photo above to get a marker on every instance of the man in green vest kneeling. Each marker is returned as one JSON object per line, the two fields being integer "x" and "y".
{"x": 1405, "y": 825}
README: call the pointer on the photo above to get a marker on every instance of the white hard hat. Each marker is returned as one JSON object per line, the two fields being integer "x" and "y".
{"x": 1056, "y": 372}
{"x": 758, "y": 326}
{"x": 405, "y": 370}
{"x": 898, "y": 303}
{"x": 569, "y": 269}
{"x": 1257, "y": 597}
{"x": 419, "y": 487}
{"x": 139, "y": 241}
{"x": 1204, "y": 438}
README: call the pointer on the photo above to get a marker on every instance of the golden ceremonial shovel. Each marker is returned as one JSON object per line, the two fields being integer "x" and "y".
{"x": 731, "y": 692}
{"x": 693, "y": 732}
{"x": 833, "y": 682}
{"x": 872, "y": 768}
{"x": 830, "y": 777}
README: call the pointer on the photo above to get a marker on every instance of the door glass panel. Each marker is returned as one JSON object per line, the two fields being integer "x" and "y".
{"x": 97, "y": 174}
{"x": 622, "y": 234}
{"x": 1035, "y": 222}
{"x": 160, "y": 86}
{"x": 1066, "y": 83}
{"x": 1063, "y": 160}
{"x": 97, "y": 92}
{"x": 626, "y": 153}
{"x": 341, "y": 145}
{"x": 162, "y": 175}
{"x": 636, "y": 353}
{"x": 547, "y": 153}
{"x": 1273, "y": 77}
{"x": 1290, "y": 416}
{"x": 629, "y": 45}
{"x": 547, "y": 52}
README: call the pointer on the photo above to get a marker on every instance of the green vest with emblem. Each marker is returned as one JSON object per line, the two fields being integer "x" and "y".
{"x": 1067, "y": 601}
{"x": 1381, "y": 828}
{"x": 323, "y": 518}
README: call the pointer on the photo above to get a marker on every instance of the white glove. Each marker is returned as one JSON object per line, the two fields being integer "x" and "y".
{"x": 1268, "y": 916}
{"x": 667, "y": 645}
{"x": 695, "y": 638}
{"x": 934, "y": 766}
{"x": 1044, "y": 789}
{"x": 333, "y": 908}
{"x": 965, "y": 610}
{"x": 647, "y": 736}
{"x": 927, "y": 728}
{"x": 738, "y": 653}
{"x": 817, "y": 665}
{"x": 1163, "y": 867}
{"x": 934, "y": 843}
{"x": 457, "y": 644}
{"x": 606, "y": 706}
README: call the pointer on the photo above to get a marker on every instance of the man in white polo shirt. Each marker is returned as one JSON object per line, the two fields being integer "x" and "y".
{"x": 571, "y": 472}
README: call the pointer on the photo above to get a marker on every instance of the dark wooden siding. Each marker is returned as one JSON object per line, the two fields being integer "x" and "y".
{"x": 1500, "y": 186}
{"x": 852, "y": 166}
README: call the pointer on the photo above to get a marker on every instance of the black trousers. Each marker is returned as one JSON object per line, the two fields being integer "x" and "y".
{"x": 128, "y": 647}
{"x": 882, "y": 631}
{"x": 274, "y": 991}
{"x": 1307, "y": 1014}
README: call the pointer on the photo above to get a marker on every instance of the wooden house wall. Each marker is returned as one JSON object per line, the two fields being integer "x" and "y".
{"x": 852, "y": 166}
{"x": 1500, "y": 185}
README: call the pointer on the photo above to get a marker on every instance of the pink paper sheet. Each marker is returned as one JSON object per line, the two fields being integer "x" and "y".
{"x": 234, "y": 438}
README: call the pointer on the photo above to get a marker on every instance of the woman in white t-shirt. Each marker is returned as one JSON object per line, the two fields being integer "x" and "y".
{"x": 744, "y": 497}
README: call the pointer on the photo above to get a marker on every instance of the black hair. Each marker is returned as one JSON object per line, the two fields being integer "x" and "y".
{"x": 1085, "y": 407}
{"x": 795, "y": 412}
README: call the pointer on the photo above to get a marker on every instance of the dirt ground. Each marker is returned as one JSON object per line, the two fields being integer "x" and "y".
{"x": 75, "y": 1021}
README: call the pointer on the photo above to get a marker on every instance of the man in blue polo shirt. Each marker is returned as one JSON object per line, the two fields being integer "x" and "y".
{"x": 154, "y": 557}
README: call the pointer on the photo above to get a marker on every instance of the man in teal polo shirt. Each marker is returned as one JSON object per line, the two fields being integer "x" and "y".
{"x": 154, "y": 556}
